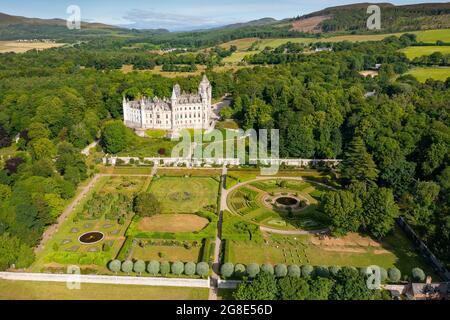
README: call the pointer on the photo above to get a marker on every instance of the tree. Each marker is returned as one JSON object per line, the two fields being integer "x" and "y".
{"x": 350, "y": 286}
{"x": 263, "y": 287}
{"x": 253, "y": 270}
{"x": 5, "y": 192}
{"x": 227, "y": 269}
{"x": 146, "y": 205}
{"x": 164, "y": 268}
{"x": 239, "y": 270}
{"x": 177, "y": 268}
{"x": 127, "y": 266}
{"x": 380, "y": 211}
{"x": 320, "y": 288}
{"x": 322, "y": 271}
{"x": 202, "y": 269}
{"x": 139, "y": 266}
{"x": 345, "y": 210}
{"x": 267, "y": 268}
{"x": 115, "y": 137}
{"x": 37, "y": 130}
{"x": 281, "y": 270}
{"x": 42, "y": 148}
{"x": 13, "y": 251}
{"x": 294, "y": 271}
{"x": 358, "y": 164}
{"x": 189, "y": 268}
{"x": 307, "y": 271}
{"x": 394, "y": 275}
{"x": 153, "y": 267}
{"x": 293, "y": 288}
{"x": 418, "y": 274}
{"x": 334, "y": 270}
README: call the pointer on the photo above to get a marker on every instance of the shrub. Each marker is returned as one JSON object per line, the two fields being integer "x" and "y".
{"x": 383, "y": 274}
{"x": 351, "y": 269}
{"x": 280, "y": 270}
{"x": 115, "y": 266}
{"x": 267, "y": 268}
{"x": 164, "y": 268}
{"x": 239, "y": 270}
{"x": 394, "y": 275}
{"x": 334, "y": 270}
{"x": 146, "y": 205}
{"x": 202, "y": 269}
{"x": 177, "y": 268}
{"x": 153, "y": 267}
{"x": 418, "y": 274}
{"x": 189, "y": 268}
{"x": 253, "y": 270}
{"x": 322, "y": 271}
{"x": 294, "y": 271}
{"x": 364, "y": 271}
{"x": 127, "y": 266}
{"x": 227, "y": 270}
{"x": 139, "y": 266}
{"x": 307, "y": 271}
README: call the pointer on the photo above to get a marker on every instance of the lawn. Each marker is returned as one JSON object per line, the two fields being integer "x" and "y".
{"x": 354, "y": 250}
{"x": 431, "y": 36}
{"x": 237, "y": 176}
{"x": 185, "y": 194}
{"x": 149, "y": 147}
{"x": 167, "y": 253}
{"x": 414, "y": 52}
{"x": 173, "y": 223}
{"x": 437, "y": 73}
{"x": 27, "y": 290}
{"x": 182, "y": 172}
{"x": 125, "y": 184}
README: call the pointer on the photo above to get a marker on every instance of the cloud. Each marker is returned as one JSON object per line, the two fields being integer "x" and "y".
{"x": 149, "y": 19}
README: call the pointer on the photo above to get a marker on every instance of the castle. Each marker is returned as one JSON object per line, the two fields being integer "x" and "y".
{"x": 182, "y": 110}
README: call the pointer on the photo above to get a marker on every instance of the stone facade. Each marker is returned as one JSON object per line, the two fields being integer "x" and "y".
{"x": 182, "y": 110}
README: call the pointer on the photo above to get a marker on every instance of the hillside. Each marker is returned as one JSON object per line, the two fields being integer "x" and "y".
{"x": 393, "y": 18}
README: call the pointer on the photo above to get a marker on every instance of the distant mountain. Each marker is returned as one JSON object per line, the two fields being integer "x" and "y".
{"x": 253, "y": 23}
{"x": 394, "y": 18}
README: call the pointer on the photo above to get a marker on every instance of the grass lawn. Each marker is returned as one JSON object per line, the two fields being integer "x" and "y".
{"x": 178, "y": 172}
{"x": 125, "y": 184}
{"x": 422, "y": 74}
{"x": 431, "y": 36}
{"x": 27, "y": 290}
{"x": 237, "y": 176}
{"x": 185, "y": 194}
{"x": 127, "y": 170}
{"x": 149, "y": 147}
{"x": 173, "y": 223}
{"x": 165, "y": 253}
{"x": 354, "y": 250}
{"x": 414, "y": 52}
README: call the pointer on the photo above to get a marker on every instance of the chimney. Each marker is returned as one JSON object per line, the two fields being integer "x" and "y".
{"x": 428, "y": 280}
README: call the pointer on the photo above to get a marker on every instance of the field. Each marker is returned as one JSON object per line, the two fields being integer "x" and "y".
{"x": 353, "y": 250}
{"x": 422, "y": 74}
{"x": 20, "y": 47}
{"x": 157, "y": 70}
{"x": 27, "y": 290}
{"x": 173, "y": 223}
{"x": 431, "y": 36}
{"x": 184, "y": 194}
{"x": 167, "y": 252}
{"x": 414, "y": 52}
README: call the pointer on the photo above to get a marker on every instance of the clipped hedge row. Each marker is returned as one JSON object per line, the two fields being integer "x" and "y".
{"x": 230, "y": 270}
{"x": 164, "y": 268}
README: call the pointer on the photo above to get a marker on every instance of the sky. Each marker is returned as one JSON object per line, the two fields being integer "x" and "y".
{"x": 174, "y": 15}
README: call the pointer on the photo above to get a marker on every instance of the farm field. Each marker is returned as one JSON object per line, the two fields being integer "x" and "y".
{"x": 184, "y": 194}
{"x": 21, "y": 47}
{"x": 28, "y": 290}
{"x": 437, "y": 73}
{"x": 352, "y": 250}
{"x": 157, "y": 70}
{"x": 415, "y": 52}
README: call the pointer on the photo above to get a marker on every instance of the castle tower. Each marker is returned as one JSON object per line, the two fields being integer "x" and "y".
{"x": 205, "y": 92}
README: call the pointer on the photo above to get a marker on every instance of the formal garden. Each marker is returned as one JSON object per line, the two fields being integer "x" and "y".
{"x": 281, "y": 203}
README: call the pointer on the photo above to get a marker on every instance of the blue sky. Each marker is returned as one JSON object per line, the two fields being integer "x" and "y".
{"x": 173, "y": 14}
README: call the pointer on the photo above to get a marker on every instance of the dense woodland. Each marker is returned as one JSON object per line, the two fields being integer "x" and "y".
{"x": 395, "y": 144}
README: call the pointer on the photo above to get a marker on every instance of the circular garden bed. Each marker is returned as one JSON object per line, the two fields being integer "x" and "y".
{"x": 91, "y": 237}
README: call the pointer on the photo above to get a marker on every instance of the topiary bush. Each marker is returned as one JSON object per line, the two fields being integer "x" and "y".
{"x": 334, "y": 270}
{"x": 127, "y": 266}
{"x": 177, "y": 268}
{"x": 253, "y": 270}
{"x": 383, "y": 274}
{"x": 227, "y": 270}
{"x": 322, "y": 271}
{"x": 307, "y": 271}
{"x": 189, "y": 268}
{"x": 394, "y": 275}
{"x": 139, "y": 266}
{"x": 164, "y": 268}
{"x": 281, "y": 270}
{"x": 418, "y": 274}
{"x": 239, "y": 270}
{"x": 202, "y": 269}
{"x": 294, "y": 271}
{"x": 153, "y": 267}
{"x": 115, "y": 266}
{"x": 267, "y": 268}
